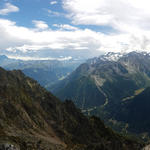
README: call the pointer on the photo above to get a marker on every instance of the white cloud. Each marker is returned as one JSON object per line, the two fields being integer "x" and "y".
{"x": 53, "y": 13}
{"x": 65, "y": 27}
{"x": 38, "y": 58}
{"x": 15, "y": 38}
{"x": 122, "y": 15}
{"x": 53, "y": 2}
{"x": 129, "y": 18}
{"x": 40, "y": 24}
{"x": 8, "y": 8}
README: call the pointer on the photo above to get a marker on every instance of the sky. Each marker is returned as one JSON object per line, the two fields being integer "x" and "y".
{"x": 68, "y": 27}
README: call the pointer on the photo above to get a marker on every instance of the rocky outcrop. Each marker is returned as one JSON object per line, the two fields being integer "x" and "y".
{"x": 8, "y": 146}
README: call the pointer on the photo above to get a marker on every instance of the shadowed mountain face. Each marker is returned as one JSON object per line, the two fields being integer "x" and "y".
{"x": 135, "y": 112}
{"x": 32, "y": 118}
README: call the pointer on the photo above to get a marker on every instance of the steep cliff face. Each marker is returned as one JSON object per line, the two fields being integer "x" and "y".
{"x": 32, "y": 118}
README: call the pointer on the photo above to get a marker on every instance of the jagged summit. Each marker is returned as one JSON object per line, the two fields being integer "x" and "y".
{"x": 116, "y": 56}
{"x": 111, "y": 56}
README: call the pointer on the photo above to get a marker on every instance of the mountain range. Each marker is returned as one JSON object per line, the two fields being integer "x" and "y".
{"x": 31, "y": 118}
{"x": 114, "y": 87}
{"x": 103, "y": 85}
{"x": 46, "y": 72}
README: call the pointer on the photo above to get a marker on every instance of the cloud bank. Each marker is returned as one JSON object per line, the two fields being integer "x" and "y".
{"x": 17, "y": 38}
{"x": 123, "y": 15}
{"x": 128, "y": 18}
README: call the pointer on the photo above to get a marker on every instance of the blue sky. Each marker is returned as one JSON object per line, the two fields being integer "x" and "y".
{"x": 38, "y": 10}
{"x": 35, "y": 10}
{"x": 96, "y": 26}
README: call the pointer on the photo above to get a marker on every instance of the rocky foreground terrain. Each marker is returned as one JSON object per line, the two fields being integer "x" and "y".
{"x": 31, "y": 118}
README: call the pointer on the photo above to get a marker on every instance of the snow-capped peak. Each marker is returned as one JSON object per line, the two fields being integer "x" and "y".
{"x": 112, "y": 56}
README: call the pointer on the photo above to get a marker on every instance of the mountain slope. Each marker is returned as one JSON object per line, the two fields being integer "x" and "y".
{"x": 78, "y": 90}
{"x": 32, "y": 118}
{"x": 113, "y": 76}
{"x": 135, "y": 112}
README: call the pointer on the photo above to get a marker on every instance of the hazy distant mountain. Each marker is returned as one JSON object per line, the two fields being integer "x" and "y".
{"x": 32, "y": 118}
{"x": 46, "y": 72}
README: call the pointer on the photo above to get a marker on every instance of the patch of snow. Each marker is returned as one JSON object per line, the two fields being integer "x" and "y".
{"x": 111, "y": 56}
